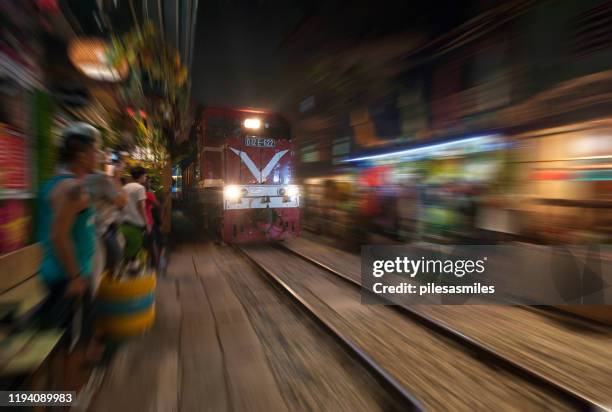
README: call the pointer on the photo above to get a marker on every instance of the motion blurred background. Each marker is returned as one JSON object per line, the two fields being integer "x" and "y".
{"x": 447, "y": 122}
{"x": 438, "y": 120}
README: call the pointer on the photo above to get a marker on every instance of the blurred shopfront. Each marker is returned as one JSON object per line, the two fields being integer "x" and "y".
{"x": 548, "y": 182}
{"x": 565, "y": 182}
{"x": 20, "y": 85}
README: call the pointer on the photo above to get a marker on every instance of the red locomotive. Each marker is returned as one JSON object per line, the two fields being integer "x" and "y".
{"x": 246, "y": 175}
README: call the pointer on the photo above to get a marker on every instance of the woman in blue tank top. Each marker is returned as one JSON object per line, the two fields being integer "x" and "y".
{"x": 66, "y": 232}
{"x": 82, "y": 235}
{"x": 66, "y": 226}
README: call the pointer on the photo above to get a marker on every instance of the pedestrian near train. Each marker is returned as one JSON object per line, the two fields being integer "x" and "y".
{"x": 66, "y": 232}
{"x": 153, "y": 236}
{"x": 135, "y": 224}
{"x": 107, "y": 198}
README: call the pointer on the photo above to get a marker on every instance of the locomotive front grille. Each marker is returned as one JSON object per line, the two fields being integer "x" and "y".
{"x": 260, "y": 196}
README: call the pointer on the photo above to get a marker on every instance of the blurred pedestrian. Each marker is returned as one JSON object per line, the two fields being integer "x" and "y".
{"x": 108, "y": 198}
{"x": 134, "y": 222}
{"x": 66, "y": 232}
{"x": 153, "y": 237}
{"x": 407, "y": 211}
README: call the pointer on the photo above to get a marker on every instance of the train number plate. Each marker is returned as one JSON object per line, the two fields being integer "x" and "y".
{"x": 259, "y": 142}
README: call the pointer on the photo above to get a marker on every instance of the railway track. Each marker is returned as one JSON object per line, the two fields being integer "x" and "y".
{"x": 486, "y": 355}
{"x": 568, "y": 318}
{"x": 486, "y": 352}
{"x": 385, "y": 379}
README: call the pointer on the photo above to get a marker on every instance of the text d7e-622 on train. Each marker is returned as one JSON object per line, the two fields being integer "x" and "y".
{"x": 245, "y": 180}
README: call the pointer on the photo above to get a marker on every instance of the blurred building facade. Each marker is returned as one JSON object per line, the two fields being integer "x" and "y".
{"x": 534, "y": 73}
{"x": 41, "y": 88}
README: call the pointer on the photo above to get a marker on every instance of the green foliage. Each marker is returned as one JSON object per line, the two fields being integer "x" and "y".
{"x": 158, "y": 84}
{"x": 45, "y": 149}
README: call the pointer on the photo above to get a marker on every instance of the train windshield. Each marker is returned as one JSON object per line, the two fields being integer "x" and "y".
{"x": 220, "y": 128}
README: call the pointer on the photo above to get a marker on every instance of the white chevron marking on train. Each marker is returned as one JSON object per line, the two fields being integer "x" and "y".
{"x": 260, "y": 175}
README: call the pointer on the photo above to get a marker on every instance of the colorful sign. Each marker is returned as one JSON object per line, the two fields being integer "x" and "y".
{"x": 13, "y": 160}
{"x": 14, "y": 224}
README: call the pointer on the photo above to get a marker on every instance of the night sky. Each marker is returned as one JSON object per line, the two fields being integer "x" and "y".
{"x": 237, "y": 61}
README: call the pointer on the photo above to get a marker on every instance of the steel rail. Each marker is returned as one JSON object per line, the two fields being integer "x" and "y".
{"x": 581, "y": 401}
{"x": 381, "y": 375}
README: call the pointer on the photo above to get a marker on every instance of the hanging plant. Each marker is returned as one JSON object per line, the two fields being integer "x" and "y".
{"x": 158, "y": 84}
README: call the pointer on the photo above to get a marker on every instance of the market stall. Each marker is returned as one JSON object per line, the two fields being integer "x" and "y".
{"x": 20, "y": 82}
{"x": 431, "y": 191}
{"x": 565, "y": 182}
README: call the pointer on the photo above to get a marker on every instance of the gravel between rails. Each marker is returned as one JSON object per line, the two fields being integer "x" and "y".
{"x": 312, "y": 370}
{"x": 579, "y": 360}
{"x": 441, "y": 374}
{"x": 577, "y": 357}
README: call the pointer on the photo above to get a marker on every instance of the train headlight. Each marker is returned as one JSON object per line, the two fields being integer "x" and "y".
{"x": 293, "y": 191}
{"x": 252, "y": 123}
{"x": 232, "y": 193}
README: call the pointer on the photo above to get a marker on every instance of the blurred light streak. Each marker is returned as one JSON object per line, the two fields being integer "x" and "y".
{"x": 422, "y": 150}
